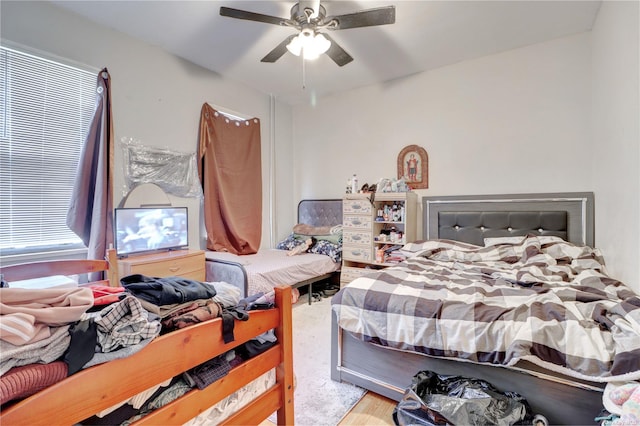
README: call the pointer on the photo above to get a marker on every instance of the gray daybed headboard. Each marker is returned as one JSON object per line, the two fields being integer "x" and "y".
{"x": 471, "y": 218}
{"x": 320, "y": 212}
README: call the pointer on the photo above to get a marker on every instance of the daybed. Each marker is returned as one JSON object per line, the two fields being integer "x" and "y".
{"x": 533, "y": 314}
{"x": 262, "y": 271}
{"x": 93, "y": 389}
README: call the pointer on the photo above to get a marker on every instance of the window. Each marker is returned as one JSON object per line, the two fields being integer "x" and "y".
{"x": 46, "y": 109}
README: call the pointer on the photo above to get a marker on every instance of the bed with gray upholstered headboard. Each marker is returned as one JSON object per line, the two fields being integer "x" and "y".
{"x": 530, "y": 228}
{"x": 261, "y": 271}
{"x": 472, "y": 218}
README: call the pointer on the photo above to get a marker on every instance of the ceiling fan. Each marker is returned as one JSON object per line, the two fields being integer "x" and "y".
{"x": 308, "y": 17}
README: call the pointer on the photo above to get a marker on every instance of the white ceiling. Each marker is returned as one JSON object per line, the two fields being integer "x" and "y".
{"x": 426, "y": 35}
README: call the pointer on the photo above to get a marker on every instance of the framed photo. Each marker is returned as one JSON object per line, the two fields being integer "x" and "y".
{"x": 413, "y": 166}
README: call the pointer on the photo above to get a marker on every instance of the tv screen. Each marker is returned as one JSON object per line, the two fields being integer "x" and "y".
{"x": 147, "y": 229}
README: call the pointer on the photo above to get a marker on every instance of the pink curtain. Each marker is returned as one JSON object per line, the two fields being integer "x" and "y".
{"x": 91, "y": 207}
{"x": 231, "y": 174}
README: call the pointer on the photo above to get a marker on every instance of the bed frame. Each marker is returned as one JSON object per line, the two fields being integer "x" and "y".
{"x": 321, "y": 212}
{"x": 94, "y": 389}
{"x": 562, "y": 400}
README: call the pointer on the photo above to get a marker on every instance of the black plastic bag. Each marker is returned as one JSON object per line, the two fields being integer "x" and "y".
{"x": 433, "y": 399}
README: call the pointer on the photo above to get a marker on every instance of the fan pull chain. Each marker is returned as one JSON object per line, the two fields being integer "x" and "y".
{"x": 304, "y": 74}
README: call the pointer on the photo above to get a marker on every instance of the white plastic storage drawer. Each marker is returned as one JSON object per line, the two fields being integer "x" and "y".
{"x": 356, "y": 237}
{"x": 356, "y": 222}
{"x": 358, "y": 253}
{"x": 348, "y": 273}
{"x": 356, "y": 207}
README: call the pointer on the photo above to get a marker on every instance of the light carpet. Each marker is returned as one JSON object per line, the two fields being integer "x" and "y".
{"x": 318, "y": 400}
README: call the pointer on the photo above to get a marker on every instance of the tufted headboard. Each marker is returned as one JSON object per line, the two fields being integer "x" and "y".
{"x": 320, "y": 212}
{"x": 471, "y": 218}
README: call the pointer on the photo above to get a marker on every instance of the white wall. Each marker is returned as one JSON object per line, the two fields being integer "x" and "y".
{"x": 515, "y": 122}
{"x": 616, "y": 134}
{"x": 511, "y": 122}
{"x": 157, "y": 97}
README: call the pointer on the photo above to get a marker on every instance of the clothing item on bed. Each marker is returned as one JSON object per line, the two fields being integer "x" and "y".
{"x": 21, "y": 382}
{"x": 136, "y": 401}
{"x": 105, "y": 295}
{"x": 208, "y": 372}
{"x": 166, "y": 290}
{"x": 125, "y": 323}
{"x": 124, "y": 352}
{"x": 84, "y": 337}
{"x": 191, "y": 315}
{"x": 43, "y": 351}
{"x": 27, "y": 314}
{"x": 173, "y": 392}
{"x": 552, "y": 304}
{"x": 227, "y": 295}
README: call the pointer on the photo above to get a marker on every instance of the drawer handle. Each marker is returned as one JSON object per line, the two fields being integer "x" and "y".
{"x": 356, "y": 222}
{"x": 356, "y": 238}
{"x": 356, "y": 206}
{"x": 174, "y": 268}
{"x": 356, "y": 252}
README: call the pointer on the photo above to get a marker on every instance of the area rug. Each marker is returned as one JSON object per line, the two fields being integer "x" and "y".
{"x": 318, "y": 400}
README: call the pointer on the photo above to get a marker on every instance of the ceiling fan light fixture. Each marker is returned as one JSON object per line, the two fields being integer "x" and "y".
{"x": 310, "y": 45}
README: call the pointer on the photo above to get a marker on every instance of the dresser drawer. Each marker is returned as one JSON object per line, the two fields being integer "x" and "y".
{"x": 356, "y": 206}
{"x": 353, "y": 221}
{"x": 358, "y": 253}
{"x": 187, "y": 264}
{"x": 349, "y": 273}
{"x": 356, "y": 237}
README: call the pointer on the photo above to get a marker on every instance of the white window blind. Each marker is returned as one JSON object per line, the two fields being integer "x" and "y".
{"x": 45, "y": 112}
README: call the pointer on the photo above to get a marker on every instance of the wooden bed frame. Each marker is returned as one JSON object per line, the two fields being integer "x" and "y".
{"x": 562, "y": 400}
{"x": 91, "y": 390}
{"x": 320, "y": 212}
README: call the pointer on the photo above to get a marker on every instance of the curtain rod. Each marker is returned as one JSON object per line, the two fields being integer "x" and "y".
{"x": 230, "y": 112}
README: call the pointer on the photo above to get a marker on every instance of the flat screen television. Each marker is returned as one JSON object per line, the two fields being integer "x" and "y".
{"x": 147, "y": 229}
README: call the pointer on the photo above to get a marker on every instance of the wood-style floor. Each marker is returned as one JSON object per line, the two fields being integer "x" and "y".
{"x": 371, "y": 410}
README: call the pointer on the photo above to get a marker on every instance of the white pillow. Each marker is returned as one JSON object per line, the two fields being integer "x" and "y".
{"x": 544, "y": 239}
{"x": 493, "y": 241}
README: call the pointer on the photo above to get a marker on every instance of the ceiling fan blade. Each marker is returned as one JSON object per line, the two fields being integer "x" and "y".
{"x": 337, "y": 53}
{"x": 364, "y": 18}
{"x": 251, "y": 16}
{"x": 278, "y": 51}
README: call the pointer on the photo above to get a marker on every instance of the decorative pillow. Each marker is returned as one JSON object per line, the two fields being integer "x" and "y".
{"x": 334, "y": 251}
{"x": 334, "y": 239}
{"x": 304, "y": 229}
{"x": 333, "y": 234}
{"x": 290, "y": 242}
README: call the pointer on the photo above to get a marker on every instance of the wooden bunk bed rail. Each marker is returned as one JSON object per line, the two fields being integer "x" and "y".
{"x": 96, "y": 388}
{"x": 27, "y": 271}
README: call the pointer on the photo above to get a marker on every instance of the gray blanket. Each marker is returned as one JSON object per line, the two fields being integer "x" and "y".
{"x": 552, "y": 304}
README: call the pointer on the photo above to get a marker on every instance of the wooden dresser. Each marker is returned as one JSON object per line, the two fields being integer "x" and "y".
{"x": 181, "y": 263}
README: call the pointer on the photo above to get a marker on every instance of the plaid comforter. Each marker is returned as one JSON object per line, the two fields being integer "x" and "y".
{"x": 552, "y": 304}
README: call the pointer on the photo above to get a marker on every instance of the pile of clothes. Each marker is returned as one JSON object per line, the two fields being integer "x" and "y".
{"x": 49, "y": 334}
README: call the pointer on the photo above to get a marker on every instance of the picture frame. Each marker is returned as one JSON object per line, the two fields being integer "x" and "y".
{"x": 413, "y": 166}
